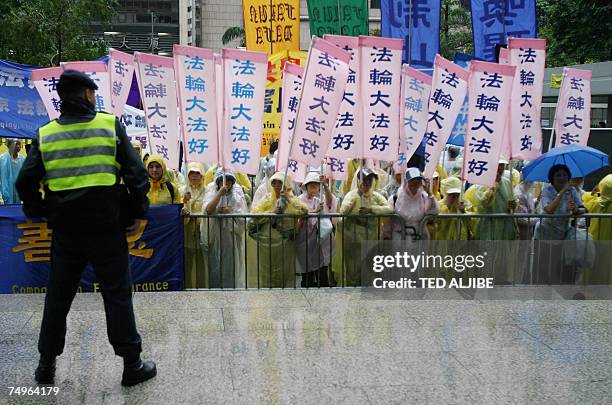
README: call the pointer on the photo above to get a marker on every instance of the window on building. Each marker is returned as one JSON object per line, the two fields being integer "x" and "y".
{"x": 375, "y": 4}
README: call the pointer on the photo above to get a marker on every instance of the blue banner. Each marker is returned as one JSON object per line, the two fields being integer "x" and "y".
{"x": 419, "y": 19}
{"x": 156, "y": 253}
{"x": 494, "y": 21}
{"x": 22, "y": 111}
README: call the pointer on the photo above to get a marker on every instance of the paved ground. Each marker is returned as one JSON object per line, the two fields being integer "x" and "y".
{"x": 324, "y": 347}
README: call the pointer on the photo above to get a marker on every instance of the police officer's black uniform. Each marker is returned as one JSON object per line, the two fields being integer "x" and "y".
{"x": 88, "y": 226}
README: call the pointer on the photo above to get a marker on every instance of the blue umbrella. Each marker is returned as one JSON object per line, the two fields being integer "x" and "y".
{"x": 581, "y": 160}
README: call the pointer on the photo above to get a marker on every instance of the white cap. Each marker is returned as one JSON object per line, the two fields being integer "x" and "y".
{"x": 413, "y": 173}
{"x": 311, "y": 177}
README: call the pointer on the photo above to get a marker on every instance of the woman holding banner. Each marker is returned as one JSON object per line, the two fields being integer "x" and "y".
{"x": 271, "y": 239}
{"x": 195, "y": 269}
{"x": 355, "y": 229}
{"x": 223, "y": 238}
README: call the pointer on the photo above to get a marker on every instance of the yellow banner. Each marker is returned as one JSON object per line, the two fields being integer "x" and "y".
{"x": 272, "y": 103}
{"x": 272, "y": 25}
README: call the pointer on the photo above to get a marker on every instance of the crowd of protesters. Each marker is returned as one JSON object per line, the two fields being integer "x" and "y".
{"x": 285, "y": 247}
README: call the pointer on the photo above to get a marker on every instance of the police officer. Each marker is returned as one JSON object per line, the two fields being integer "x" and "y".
{"x": 81, "y": 158}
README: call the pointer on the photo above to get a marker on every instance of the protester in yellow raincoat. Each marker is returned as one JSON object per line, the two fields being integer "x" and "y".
{"x": 162, "y": 190}
{"x": 601, "y": 230}
{"x": 241, "y": 178}
{"x": 271, "y": 239}
{"x": 453, "y": 228}
{"x": 352, "y": 230}
{"x": 195, "y": 267}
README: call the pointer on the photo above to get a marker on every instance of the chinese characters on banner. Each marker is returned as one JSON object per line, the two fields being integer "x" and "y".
{"x": 448, "y": 90}
{"x": 489, "y": 103}
{"x": 323, "y": 87}
{"x": 416, "y": 87}
{"x": 336, "y": 169}
{"x": 121, "y": 68}
{"x": 195, "y": 73}
{"x": 274, "y": 94}
{"x": 347, "y": 142}
{"x": 323, "y": 17}
{"x": 506, "y": 149}
{"x": 380, "y": 77}
{"x": 422, "y": 22}
{"x": 528, "y": 55}
{"x": 136, "y": 127}
{"x": 271, "y": 25}
{"x": 573, "y": 116}
{"x": 245, "y": 84}
{"x": 158, "y": 92}
{"x": 98, "y": 72}
{"x": 493, "y": 21}
{"x": 45, "y": 80}
{"x": 292, "y": 89}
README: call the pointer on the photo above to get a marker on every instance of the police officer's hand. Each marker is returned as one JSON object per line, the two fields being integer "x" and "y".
{"x": 133, "y": 229}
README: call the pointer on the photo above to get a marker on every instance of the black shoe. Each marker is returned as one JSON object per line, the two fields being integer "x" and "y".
{"x": 45, "y": 373}
{"x": 135, "y": 375}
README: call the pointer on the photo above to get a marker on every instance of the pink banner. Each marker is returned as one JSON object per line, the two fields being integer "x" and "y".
{"x": 292, "y": 88}
{"x": 245, "y": 85}
{"x": 98, "y": 72}
{"x": 347, "y": 136}
{"x": 525, "y": 131}
{"x": 219, "y": 82}
{"x": 448, "y": 90}
{"x": 195, "y": 74}
{"x": 324, "y": 84}
{"x": 504, "y": 56}
{"x": 573, "y": 116}
{"x": 158, "y": 93}
{"x": 416, "y": 87}
{"x": 506, "y": 149}
{"x": 336, "y": 169}
{"x": 45, "y": 80}
{"x": 489, "y": 103}
{"x": 380, "y": 77}
{"x": 121, "y": 67}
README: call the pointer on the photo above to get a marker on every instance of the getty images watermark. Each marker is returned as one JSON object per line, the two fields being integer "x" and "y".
{"x": 412, "y": 263}
{"x": 518, "y": 269}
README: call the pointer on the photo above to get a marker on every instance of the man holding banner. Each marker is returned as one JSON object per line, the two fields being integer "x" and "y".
{"x": 81, "y": 158}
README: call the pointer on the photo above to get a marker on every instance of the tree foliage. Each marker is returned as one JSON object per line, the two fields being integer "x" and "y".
{"x": 233, "y": 33}
{"x": 47, "y": 32}
{"x": 577, "y": 31}
{"x": 455, "y": 29}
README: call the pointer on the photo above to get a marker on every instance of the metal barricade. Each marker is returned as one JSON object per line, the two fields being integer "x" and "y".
{"x": 256, "y": 251}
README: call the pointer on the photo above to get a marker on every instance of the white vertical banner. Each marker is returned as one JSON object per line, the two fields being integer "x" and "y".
{"x": 416, "y": 87}
{"x": 158, "y": 93}
{"x": 292, "y": 88}
{"x": 98, "y": 72}
{"x": 525, "y": 131}
{"x": 323, "y": 87}
{"x": 219, "y": 83}
{"x": 336, "y": 169}
{"x": 489, "y": 93}
{"x": 245, "y": 85}
{"x": 45, "y": 81}
{"x": 194, "y": 70}
{"x": 448, "y": 90}
{"x": 573, "y": 116}
{"x": 347, "y": 142}
{"x": 136, "y": 127}
{"x": 380, "y": 76}
{"x": 506, "y": 150}
{"x": 121, "y": 70}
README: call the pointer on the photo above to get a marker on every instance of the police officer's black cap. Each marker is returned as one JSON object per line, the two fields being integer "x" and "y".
{"x": 72, "y": 80}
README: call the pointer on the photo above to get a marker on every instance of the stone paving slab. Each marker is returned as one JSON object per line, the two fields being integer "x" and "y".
{"x": 328, "y": 346}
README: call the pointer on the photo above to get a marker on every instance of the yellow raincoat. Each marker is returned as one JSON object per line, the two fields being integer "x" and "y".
{"x": 449, "y": 229}
{"x": 271, "y": 240}
{"x": 195, "y": 265}
{"x": 159, "y": 193}
{"x": 601, "y": 230}
{"x": 351, "y": 231}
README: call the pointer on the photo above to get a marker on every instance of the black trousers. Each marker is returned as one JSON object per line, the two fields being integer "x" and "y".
{"x": 108, "y": 254}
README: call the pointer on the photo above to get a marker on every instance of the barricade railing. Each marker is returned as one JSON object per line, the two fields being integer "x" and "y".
{"x": 265, "y": 250}
{"x": 547, "y": 249}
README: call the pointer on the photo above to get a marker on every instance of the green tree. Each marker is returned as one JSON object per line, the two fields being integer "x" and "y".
{"x": 47, "y": 32}
{"x": 455, "y": 29}
{"x": 233, "y": 33}
{"x": 576, "y": 32}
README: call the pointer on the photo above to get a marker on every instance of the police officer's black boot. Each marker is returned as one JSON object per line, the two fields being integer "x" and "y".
{"x": 137, "y": 371}
{"x": 45, "y": 372}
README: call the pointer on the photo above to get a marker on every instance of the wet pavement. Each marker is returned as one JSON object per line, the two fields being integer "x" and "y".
{"x": 322, "y": 347}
